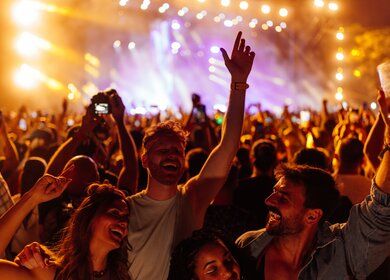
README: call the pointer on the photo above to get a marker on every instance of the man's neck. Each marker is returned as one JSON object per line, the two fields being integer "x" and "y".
{"x": 294, "y": 248}
{"x": 158, "y": 191}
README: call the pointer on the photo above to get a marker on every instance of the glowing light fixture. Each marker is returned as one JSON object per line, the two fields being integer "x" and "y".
{"x": 333, "y": 6}
{"x": 26, "y": 77}
{"x": 340, "y": 36}
{"x": 25, "y": 12}
{"x": 373, "y": 105}
{"x": 340, "y": 55}
{"x": 211, "y": 69}
{"x": 175, "y": 25}
{"x": 270, "y": 23}
{"x": 175, "y": 45}
{"x": 265, "y": 9}
{"x": 264, "y": 26}
{"x": 283, "y": 12}
{"x": 122, "y": 3}
{"x": 244, "y": 5}
{"x": 131, "y": 45}
{"x": 357, "y": 73}
{"x": 339, "y": 76}
{"x": 339, "y": 96}
{"x": 283, "y": 25}
{"x": 116, "y": 44}
{"x": 228, "y": 23}
{"x": 278, "y": 28}
{"x": 225, "y": 3}
{"x": 214, "y": 49}
{"x": 319, "y": 3}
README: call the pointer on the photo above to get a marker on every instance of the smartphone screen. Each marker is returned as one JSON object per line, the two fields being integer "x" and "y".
{"x": 23, "y": 124}
{"x": 199, "y": 113}
{"x": 101, "y": 108}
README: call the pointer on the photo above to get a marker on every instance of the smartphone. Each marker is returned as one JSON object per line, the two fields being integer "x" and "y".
{"x": 22, "y": 124}
{"x": 101, "y": 108}
{"x": 199, "y": 114}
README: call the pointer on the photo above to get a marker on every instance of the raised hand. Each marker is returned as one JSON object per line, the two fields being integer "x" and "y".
{"x": 241, "y": 60}
{"x": 384, "y": 104}
{"x": 117, "y": 107}
{"x": 49, "y": 187}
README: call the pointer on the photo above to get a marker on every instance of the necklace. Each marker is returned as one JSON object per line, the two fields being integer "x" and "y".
{"x": 99, "y": 274}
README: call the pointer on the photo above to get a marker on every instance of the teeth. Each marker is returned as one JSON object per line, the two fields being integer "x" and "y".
{"x": 117, "y": 231}
{"x": 275, "y": 216}
{"x": 169, "y": 165}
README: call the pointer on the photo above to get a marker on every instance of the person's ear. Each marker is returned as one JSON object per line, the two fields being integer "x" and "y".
{"x": 144, "y": 160}
{"x": 313, "y": 216}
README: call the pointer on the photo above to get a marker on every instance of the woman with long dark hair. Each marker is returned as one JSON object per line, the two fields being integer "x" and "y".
{"x": 94, "y": 244}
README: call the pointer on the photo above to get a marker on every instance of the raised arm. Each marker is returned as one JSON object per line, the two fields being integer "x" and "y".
{"x": 46, "y": 188}
{"x": 382, "y": 178}
{"x": 68, "y": 149}
{"x": 8, "y": 149}
{"x": 204, "y": 187}
{"x": 128, "y": 177}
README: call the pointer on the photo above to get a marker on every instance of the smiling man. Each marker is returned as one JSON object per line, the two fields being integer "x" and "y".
{"x": 297, "y": 243}
{"x": 164, "y": 213}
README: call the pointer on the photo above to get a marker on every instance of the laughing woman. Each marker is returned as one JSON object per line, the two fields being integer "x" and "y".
{"x": 94, "y": 245}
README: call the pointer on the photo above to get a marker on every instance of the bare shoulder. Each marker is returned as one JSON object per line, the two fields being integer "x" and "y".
{"x": 11, "y": 270}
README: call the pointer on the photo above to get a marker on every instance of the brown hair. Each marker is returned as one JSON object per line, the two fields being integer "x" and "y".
{"x": 73, "y": 252}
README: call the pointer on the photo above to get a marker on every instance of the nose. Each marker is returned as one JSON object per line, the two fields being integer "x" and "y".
{"x": 271, "y": 200}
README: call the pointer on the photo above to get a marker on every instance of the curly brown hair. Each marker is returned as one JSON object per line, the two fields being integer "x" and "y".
{"x": 73, "y": 251}
{"x": 168, "y": 128}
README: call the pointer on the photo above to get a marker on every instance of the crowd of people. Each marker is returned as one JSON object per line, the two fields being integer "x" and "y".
{"x": 114, "y": 196}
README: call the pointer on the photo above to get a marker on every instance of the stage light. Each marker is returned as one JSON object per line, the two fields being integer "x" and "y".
{"x": 339, "y": 89}
{"x": 25, "y": 12}
{"x": 283, "y": 25}
{"x": 131, "y": 45}
{"x": 333, "y": 6}
{"x": 319, "y": 3}
{"x": 175, "y": 25}
{"x": 339, "y": 96}
{"x": 228, "y": 23}
{"x": 26, "y": 77}
{"x": 201, "y": 1}
{"x": 212, "y": 69}
{"x": 244, "y": 5}
{"x": 217, "y": 19}
{"x": 165, "y": 6}
{"x": 269, "y": 23}
{"x": 252, "y": 24}
{"x": 183, "y": 11}
{"x": 283, "y": 12}
{"x": 214, "y": 49}
{"x": 355, "y": 52}
{"x": 278, "y": 28}
{"x": 340, "y": 55}
{"x": 225, "y": 3}
{"x": 373, "y": 105}
{"x": 28, "y": 44}
{"x": 175, "y": 45}
{"x": 357, "y": 73}
{"x": 339, "y": 76}
{"x": 222, "y": 16}
{"x": 265, "y": 9}
{"x": 264, "y": 26}
{"x": 116, "y": 44}
{"x": 211, "y": 60}
{"x": 93, "y": 60}
{"x": 122, "y": 3}
{"x": 340, "y": 36}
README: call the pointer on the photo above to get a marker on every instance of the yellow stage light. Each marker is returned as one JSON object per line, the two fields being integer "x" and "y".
{"x": 26, "y": 12}
{"x": 357, "y": 73}
{"x": 339, "y": 76}
{"x": 339, "y": 96}
{"x": 244, "y": 5}
{"x": 319, "y": 3}
{"x": 333, "y": 6}
{"x": 225, "y": 3}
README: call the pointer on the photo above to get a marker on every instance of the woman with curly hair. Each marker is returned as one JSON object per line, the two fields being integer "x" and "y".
{"x": 207, "y": 255}
{"x": 94, "y": 245}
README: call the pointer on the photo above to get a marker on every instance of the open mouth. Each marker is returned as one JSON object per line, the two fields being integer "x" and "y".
{"x": 170, "y": 166}
{"x": 274, "y": 214}
{"x": 117, "y": 233}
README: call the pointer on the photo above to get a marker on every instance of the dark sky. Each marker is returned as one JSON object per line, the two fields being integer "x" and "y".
{"x": 368, "y": 13}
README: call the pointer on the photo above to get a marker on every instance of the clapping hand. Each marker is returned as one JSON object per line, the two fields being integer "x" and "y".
{"x": 241, "y": 60}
